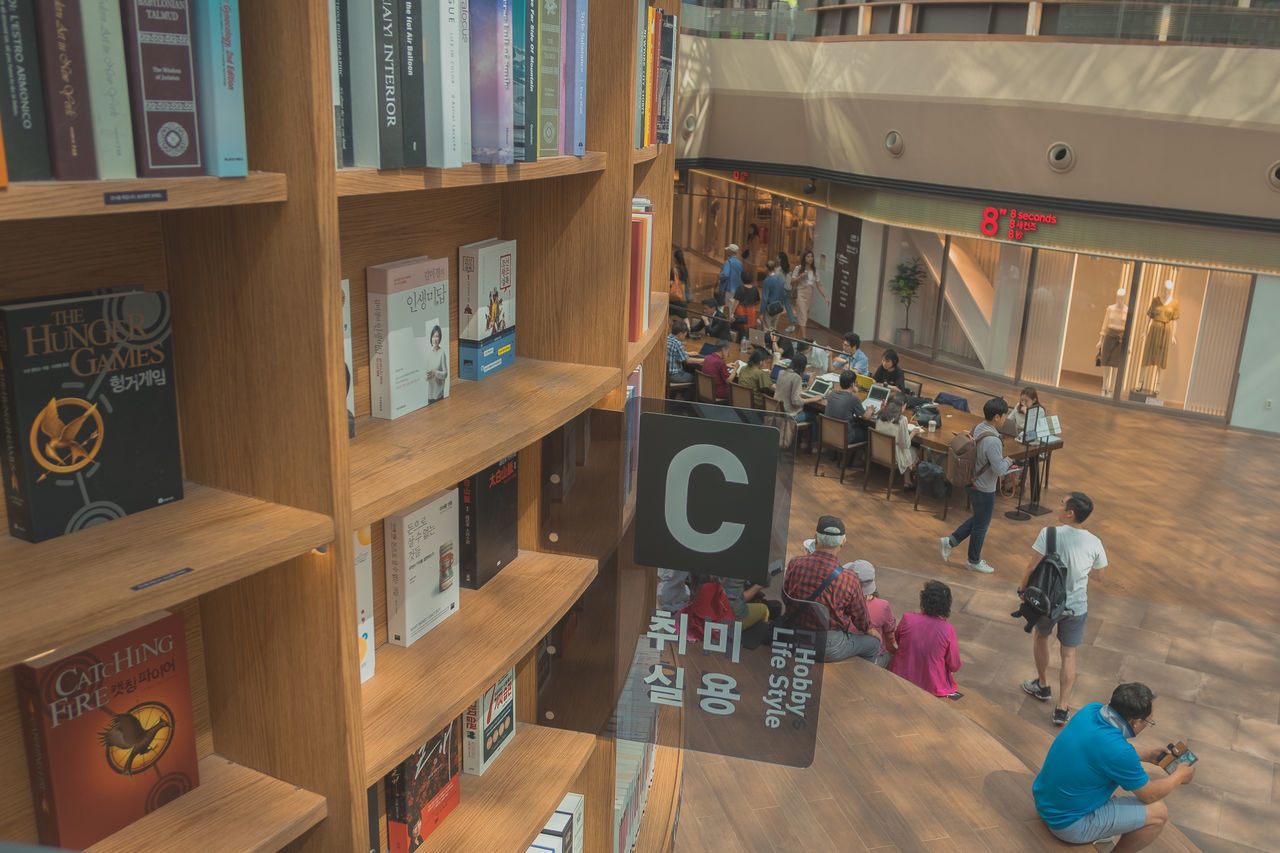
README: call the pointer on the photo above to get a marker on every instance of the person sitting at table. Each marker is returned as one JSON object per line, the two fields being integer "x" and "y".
{"x": 852, "y": 356}
{"x": 816, "y": 355}
{"x": 788, "y": 390}
{"x": 757, "y": 376}
{"x": 889, "y": 373}
{"x": 892, "y": 420}
{"x": 843, "y": 405}
{"x": 928, "y": 651}
{"x": 678, "y": 360}
{"x": 713, "y": 365}
{"x": 778, "y": 345}
{"x": 1028, "y": 399}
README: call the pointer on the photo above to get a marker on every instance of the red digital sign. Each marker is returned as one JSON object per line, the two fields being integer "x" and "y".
{"x": 741, "y": 176}
{"x": 1019, "y": 224}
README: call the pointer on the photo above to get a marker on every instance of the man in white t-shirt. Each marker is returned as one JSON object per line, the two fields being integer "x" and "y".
{"x": 1083, "y": 554}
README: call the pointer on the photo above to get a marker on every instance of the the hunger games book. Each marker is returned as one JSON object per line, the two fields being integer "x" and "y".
{"x": 108, "y": 729}
{"x": 88, "y": 411}
{"x": 423, "y": 789}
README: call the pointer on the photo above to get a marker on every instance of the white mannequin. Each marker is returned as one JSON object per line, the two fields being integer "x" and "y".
{"x": 1113, "y": 323}
{"x": 1150, "y": 377}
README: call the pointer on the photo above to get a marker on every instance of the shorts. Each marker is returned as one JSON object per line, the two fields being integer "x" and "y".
{"x": 1116, "y": 816}
{"x": 1070, "y": 628}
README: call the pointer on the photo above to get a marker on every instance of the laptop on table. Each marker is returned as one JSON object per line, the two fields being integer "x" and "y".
{"x": 876, "y": 398}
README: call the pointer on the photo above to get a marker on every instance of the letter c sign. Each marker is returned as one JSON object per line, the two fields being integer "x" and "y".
{"x": 704, "y": 495}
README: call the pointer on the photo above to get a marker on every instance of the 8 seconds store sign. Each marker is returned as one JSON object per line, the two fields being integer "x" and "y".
{"x": 1017, "y": 224}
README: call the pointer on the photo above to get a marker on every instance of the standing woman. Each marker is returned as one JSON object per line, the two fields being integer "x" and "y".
{"x": 803, "y": 281}
{"x": 784, "y": 270}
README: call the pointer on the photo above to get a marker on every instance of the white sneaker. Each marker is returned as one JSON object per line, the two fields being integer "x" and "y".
{"x": 980, "y": 566}
{"x": 791, "y": 328}
{"x": 945, "y": 548}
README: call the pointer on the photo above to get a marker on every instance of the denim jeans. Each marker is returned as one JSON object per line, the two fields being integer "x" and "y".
{"x": 975, "y": 527}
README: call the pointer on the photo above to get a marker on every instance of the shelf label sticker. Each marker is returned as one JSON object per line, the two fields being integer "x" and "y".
{"x": 161, "y": 579}
{"x": 136, "y": 197}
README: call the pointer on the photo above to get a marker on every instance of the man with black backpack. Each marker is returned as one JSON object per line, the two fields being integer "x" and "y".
{"x": 1081, "y": 554}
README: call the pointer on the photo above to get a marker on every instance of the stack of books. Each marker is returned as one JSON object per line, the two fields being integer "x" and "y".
{"x": 655, "y": 74}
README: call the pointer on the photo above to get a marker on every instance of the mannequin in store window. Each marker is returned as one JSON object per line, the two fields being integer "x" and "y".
{"x": 1111, "y": 341}
{"x": 1163, "y": 314}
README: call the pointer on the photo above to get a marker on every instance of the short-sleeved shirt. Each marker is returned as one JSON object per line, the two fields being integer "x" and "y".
{"x": 893, "y": 377}
{"x": 757, "y": 380}
{"x": 675, "y": 354}
{"x": 843, "y": 597}
{"x": 845, "y": 406}
{"x": 1082, "y": 552}
{"x": 713, "y": 365}
{"x": 730, "y": 275}
{"x": 1087, "y": 761}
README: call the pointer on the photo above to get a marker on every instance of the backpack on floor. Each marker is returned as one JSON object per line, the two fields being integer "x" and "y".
{"x": 1046, "y": 592}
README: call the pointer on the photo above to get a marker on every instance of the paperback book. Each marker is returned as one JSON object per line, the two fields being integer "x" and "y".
{"x": 573, "y": 103}
{"x": 524, "y": 75}
{"x": 408, "y": 335}
{"x": 22, "y": 107}
{"x": 666, "y": 77}
{"x": 490, "y": 510}
{"x": 108, "y": 88}
{"x": 492, "y": 99}
{"x": 572, "y": 805}
{"x": 88, "y": 411}
{"x": 340, "y": 40}
{"x": 377, "y": 136}
{"x": 549, "y": 19}
{"x": 442, "y": 61}
{"x": 411, "y": 92}
{"x": 108, "y": 729}
{"x": 219, "y": 87}
{"x": 347, "y": 356}
{"x": 489, "y": 725}
{"x": 423, "y": 789}
{"x": 158, "y": 57}
{"x": 364, "y": 600}
{"x": 421, "y": 558}
{"x": 487, "y": 296}
{"x": 557, "y": 835}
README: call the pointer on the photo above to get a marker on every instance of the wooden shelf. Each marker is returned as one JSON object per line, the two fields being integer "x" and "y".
{"x": 374, "y": 181}
{"x": 84, "y": 582}
{"x": 658, "y": 823}
{"x": 637, "y": 350}
{"x": 55, "y": 199}
{"x": 645, "y": 154}
{"x": 419, "y": 689}
{"x": 507, "y": 807}
{"x": 396, "y": 463}
{"x": 234, "y": 809}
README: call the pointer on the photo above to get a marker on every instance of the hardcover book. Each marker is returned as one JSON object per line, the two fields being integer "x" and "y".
{"x": 158, "y": 55}
{"x": 464, "y": 80}
{"x": 22, "y": 107}
{"x": 66, "y": 78}
{"x": 374, "y": 805}
{"x": 492, "y": 100}
{"x": 549, "y": 19}
{"x": 571, "y": 805}
{"x": 642, "y": 53}
{"x": 524, "y": 76}
{"x": 666, "y": 78}
{"x": 442, "y": 62}
{"x": 363, "y": 542}
{"x": 421, "y": 555}
{"x": 108, "y": 729}
{"x": 108, "y": 88}
{"x": 378, "y": 141}
{"x": 340, "y": 31}
{"x": 423, "y": 789}
{"x": 573, "y": 103}
{"x": 487, "y": 312}
{"x": 88, "y": 411}
{"x": 412, "y": 94}
{"x": 558, "y": 833}
{"x": 408, "y": 335}
{"x": 489, "y": 725}
{"x": 490, "y": 511}
{"x": 215, "y": 29}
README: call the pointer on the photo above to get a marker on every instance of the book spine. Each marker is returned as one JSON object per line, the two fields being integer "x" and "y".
{"x": 549, "y": 80}
{"x": 342, "y": 112}
{"x": 17, "y": 507}
{"x": 412, "y": 93}
{"x": 638, "y": 307}
{"x": 38, "y": 763}
{"x": 519, "y": 78}
{"x": 464, "y": 80}
{"x": 492, "y": 130}
{"x": 565, "y": 81}
{"x": 397, "y": 623}
{"x": 219, "y": 87}
{"x": 366, "y": 116}
{"x": 22, "y": 106}
{"x": 390, "y": 97}
{"x": 4, "y": 165}
{"x": 442, "y": 45}
{"x": 379, "y": 361}
{"x": 468, "y": 554}
{"x": 666, "y": 46}
{"x": 651, "y": 71}
{"x": 166, "y": 132}
{"x": 62, "y": 62}
{"x": 577, "y": 141}
{"x": 642, "y": 47}
{"x": 529, "y": 35}
{"x": 108, "y": 88}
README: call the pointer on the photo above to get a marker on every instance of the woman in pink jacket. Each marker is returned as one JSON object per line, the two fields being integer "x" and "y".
{"x": 928, "y": 652}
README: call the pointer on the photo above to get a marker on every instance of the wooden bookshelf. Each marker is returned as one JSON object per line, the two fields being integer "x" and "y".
{"x": 88, "y": 581}
{"x": 376, "y": 181}
{"x": 645, "y": 154}
{"x": 662, "y": 809}
{"x": 507, "y": 807}
{"x": 417, "y": 690}
{"x": 396, "y": 463}
{"x": 56, "y": 199}
{"x": 636, "y": 350}
{"x": 234, "y": 810}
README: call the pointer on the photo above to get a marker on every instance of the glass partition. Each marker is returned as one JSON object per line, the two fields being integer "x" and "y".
{"x": 911, "y": 326}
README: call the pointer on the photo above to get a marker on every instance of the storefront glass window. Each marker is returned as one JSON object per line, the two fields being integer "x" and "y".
{"x": 911, "y": 328}
{"x": 982, "y": 306}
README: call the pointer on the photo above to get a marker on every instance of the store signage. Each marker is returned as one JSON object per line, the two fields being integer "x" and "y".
{"x": 1018, "y": 223}
{"x": 741, "y": 176}
{"x": 844, "y": 282}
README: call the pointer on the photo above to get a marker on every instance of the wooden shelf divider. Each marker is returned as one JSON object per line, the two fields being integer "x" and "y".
{"x": 507, "y": 807}
{"x": 637, "y": 350}
{"x": 56, "y": 199}
{"x": 234, "y": 810}
{"x": 419, "y": 689}
{"x": 396, "y": 463}
{"x": 93, "y": 579}
{"x": 374, "y": 182}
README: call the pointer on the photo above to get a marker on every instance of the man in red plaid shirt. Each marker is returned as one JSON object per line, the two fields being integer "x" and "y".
{"x": 842, "y": 596}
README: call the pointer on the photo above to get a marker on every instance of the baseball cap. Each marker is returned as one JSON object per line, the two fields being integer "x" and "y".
{"x": 732, "y": 247}
{"x": 830, "y": 525}
{"x": 866, "y": 573}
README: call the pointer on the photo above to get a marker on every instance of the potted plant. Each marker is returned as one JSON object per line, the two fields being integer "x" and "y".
{"x": 905, "y": 283}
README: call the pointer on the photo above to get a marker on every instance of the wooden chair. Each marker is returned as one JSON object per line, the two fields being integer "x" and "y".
{"x": 678, "y": 390}
{"x": 707, "y": 389}
{"x": 803, "y": 429}
{"x": 880, "y": 451}
{"x": 912, "y": 387}
{"x": 740, "y": 396}
{"x": 833, "y": 434}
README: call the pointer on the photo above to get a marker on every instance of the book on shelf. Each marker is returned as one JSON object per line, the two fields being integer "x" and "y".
{"x": 108, "y": 89}
{"x": 557, "y": 835}
{"x": 641, "y": 268}
{"x": 489, "y": 724}
{"x": 411, "y": 89}
{"x": 488, "y": 519}
{"x": 442, "y": 61}
{"x": 421, "y": 555}
{"x": 4, "y": 166}
{"x": 215, "y": 29}
{"x": 524, "y": 77}
{"x": 375, "y": 817}
{"x": 88, "y": 411}
{"x": 464, "y": 80}
{"x": 549, "y": 18}
{"x": 487, "y": 312}
{"x": 158, "y": 57}
{"x": 348, "y": 358}
{"x": 60, "y": 29}
{"x": 641, "y": 69}
{"x": 363, "y": 549}
{"x": 108, "y": 729}
{"x": 650, "y": 70}
{"x": 492, "y": 99}
{"x": 573, "y": 102}
{"x": 423, "y": 789}
{"x": 408, "y": 335}
{"x": 377, "y": 134}
{"x": 572, "y": 805}
{"x": 667, "y": 41}
{"x": 22, "y": 101}
{"x": 340, "y": 73}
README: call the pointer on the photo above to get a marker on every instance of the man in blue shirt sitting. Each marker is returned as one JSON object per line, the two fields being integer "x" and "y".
{"x": 1089, "y": 759}
{"x": 853, "y": 357}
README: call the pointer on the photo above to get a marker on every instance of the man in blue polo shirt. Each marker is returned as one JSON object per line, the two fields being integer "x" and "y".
{"x": 1089, "y": 759}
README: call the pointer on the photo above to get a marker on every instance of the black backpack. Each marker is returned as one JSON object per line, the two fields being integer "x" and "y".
{"x": 1046, "y": 592}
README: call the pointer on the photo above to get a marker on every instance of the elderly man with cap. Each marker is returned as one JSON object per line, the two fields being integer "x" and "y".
{"x": 730, "y": 279}
{"x": 819, "y": 577}
{"x": 878, "y": 610}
